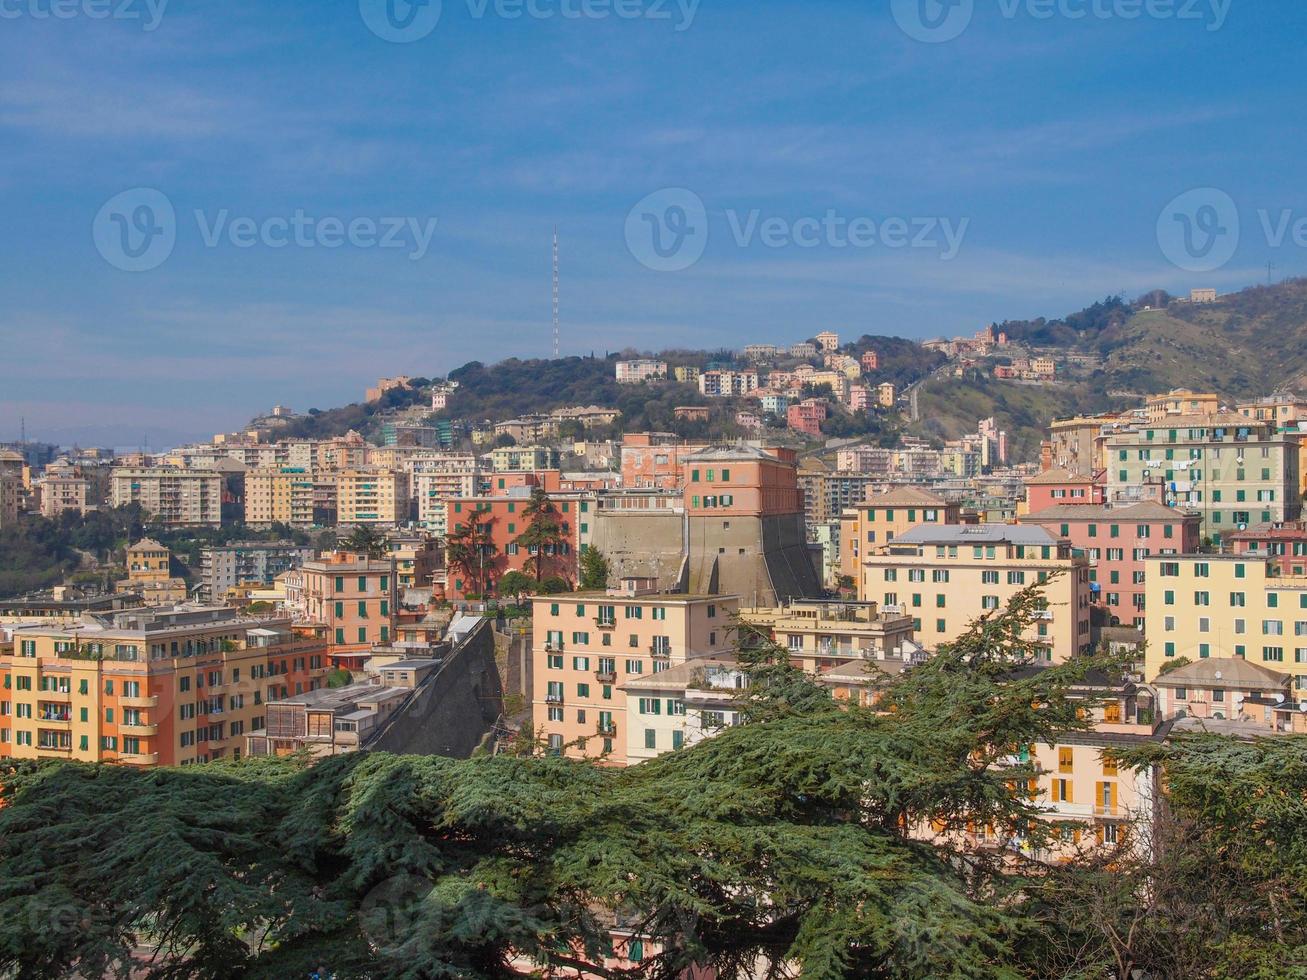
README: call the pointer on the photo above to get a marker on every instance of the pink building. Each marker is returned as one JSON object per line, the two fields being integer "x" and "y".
{"x": 1116, "y": 540}
{"x": 1284, "y": 542}
{"x": 870, "y": 361}
{"x": 859, "y": 398}
{"x": 807, "y": 416}
{"x": 1056, "y": 487}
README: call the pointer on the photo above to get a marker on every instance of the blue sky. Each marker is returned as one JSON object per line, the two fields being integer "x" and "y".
{"x": 1048, "y": 144}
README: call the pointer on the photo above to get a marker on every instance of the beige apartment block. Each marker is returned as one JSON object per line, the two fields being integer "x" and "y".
{"x": 282, "y": 496}
{"x": 820, "y": 634}
{"x": 372, "y": 496}
{"x": 1219, "y": 606}
{"x": 681, "y": 706}
{"x": 170, "y": 495}
{"x": 586, "y": 645}
{"x": 1235, "y": 471}
{"x": 946, "y": 577}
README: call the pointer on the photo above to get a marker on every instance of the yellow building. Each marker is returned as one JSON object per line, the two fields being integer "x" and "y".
{"x": 372, "y": 496}
{"x": 588, "y": 644}
{"x": 1180, "y": 401}
{"x": 885, "y": 395}
{"x": 281, "y": 495}
{"x": 1205, "y": 606}
{"x": 945, "y": 577}
{"x": 882, "y": 517}
{"x": 149, "y": 572}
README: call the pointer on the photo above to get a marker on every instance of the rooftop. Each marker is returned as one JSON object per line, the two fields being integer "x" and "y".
{"x": 1224, "y": 672}
{"x": 1147, "y": 510}
{"x": 1019, "y": 534}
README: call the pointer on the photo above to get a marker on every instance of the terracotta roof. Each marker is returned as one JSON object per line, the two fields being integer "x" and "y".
{"x": 1147, "y": 510}
{"x": 1224, "y": 672}
{"x": 1058, "y": 475}
{"x": 901, "y": 496}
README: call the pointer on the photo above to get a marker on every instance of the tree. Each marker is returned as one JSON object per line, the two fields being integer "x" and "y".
{"x": 543, "y": 536}
{"x": 781, "y": 845}
{"x": 366, "y": 539}
{"x": 516, "y": 583}
{"x": 594, "y": 568}
{"x": 470, "y": 549}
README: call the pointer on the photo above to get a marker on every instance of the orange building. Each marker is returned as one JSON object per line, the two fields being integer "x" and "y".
{"x": 350, "y": 596}
{"x": 653, "y": 459}
{"x": 587, "y": 644}
{"x": 149, "y": 687}
{"x": 502, "y": 520}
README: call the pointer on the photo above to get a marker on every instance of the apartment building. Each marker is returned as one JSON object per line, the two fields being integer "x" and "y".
{"x": 727, "y": 384}
{"x": 947, "y": 576}
{"x": 351, "y": 597}
{"x": 1062, "y": 487}
{"x": 880, "y": 518}
{"x": 1180, "y": 401}
{"x": 1285, "y": 543}
{"x": 654, "y": 459}
{"x": 819, "y": 634}
{"x": 435, "y": 480}
{"x": 1233, "y": 470}
{"x": 502, "y": 519}
{"x": 372, "y": 496}
{"x": 224, "y": 567}
{"x": 640, "y": 369}
{"x": 170, "y": 495}
{"x": 149, "y": 574}
{"x": 1221, "y": 606}
{"x": 524, "y": 459}
{"x": 1222, "y": 689}
{"x": 149, "y": 687}
{"x": 828, "y": 340}
{"x": 886, "y": 395}
{"x": 64, "y": 487}
{"x": 1116, "y": 540}
{"x": 807, "y": 416}
{"x": 334, "y": 721}
{"x": 283, "y": 495}
{"x": 586, "y": 645}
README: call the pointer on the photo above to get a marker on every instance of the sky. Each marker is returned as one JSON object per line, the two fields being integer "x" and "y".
{"x": 214, "y": 206}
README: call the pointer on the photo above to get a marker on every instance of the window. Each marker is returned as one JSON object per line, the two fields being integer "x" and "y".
{"x": 1065, "y": 757}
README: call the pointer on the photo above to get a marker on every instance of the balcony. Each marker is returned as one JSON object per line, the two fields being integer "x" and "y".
{"x": 606, "y": 676}
{"x": 609, "y": 729}
{"x": 139, "y": 758}
{"x": 1104, "y": 811}
{"x": 55, "y": 695}
{"x": 553, "y": 646}
{"x": 659, "y": 651}
{"x": 553, "y": 699}
{"x": 141, "y": 729}
{"x": 150, "y": 702}
{"x": 605, "y": 624}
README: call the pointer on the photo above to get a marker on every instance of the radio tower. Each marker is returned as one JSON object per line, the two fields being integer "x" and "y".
{"x": 555, "y": 292}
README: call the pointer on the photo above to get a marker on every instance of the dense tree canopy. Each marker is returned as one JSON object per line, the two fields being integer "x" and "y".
{"x": 779, "y": 842}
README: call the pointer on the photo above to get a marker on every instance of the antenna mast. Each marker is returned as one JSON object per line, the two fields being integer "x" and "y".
{"x": 555, "y": 292}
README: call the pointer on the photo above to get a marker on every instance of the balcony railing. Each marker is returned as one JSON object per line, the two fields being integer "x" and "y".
{"x": 606, "y": 676}
{"x": 553, "y": 646}
{"x": 553, "y": 699}
{"x": 140, "y": 702}
{"x": 659, "y": 651}
{"x": 605, "y": 624}
{"x": 143, "y": 728}
{"x": 606, "y": 729}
